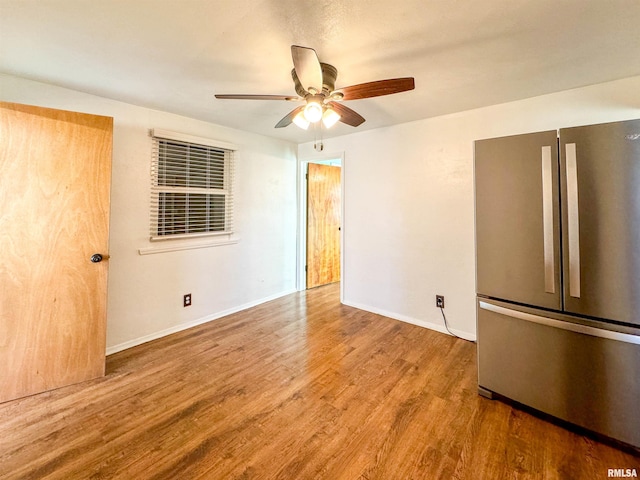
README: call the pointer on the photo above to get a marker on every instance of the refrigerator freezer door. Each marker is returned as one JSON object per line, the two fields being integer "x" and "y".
{"x": 518, "y": 219}
{"x": 600, "y": 176}
{"x": 579, "y": 372}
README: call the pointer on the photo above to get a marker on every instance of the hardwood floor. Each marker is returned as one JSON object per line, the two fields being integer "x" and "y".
{"x": 298, "y": 388}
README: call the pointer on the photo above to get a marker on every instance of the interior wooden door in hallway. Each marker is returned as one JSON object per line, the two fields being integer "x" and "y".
{"x": 323, "y": 224}
{"x": 54, "y": 219}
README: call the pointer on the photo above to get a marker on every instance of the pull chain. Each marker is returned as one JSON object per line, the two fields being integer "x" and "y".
{"x": 317, "y": 146}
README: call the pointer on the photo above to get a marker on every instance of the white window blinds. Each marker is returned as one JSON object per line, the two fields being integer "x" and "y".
{"x": 191, "y": 186}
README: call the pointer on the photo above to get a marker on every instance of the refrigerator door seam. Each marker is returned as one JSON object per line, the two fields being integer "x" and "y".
{"x": 572, "y": 327}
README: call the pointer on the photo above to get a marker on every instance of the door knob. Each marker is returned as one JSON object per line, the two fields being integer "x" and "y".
{"x": 96, "y": 258}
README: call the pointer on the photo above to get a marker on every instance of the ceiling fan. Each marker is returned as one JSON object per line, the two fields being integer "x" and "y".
{"x": 315, "y": 85}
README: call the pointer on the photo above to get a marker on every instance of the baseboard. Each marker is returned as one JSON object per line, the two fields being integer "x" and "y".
{"x": 184, "y": 326}
{"x": 414, "y": 321}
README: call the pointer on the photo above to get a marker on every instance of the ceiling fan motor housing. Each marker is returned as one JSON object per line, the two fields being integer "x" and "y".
{"x": 329, "y": 75}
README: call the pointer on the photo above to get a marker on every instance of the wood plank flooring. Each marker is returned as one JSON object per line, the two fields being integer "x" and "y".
{"x": 298, "y": 388}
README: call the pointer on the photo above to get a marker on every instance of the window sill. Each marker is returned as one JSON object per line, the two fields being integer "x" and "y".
{"x": 185, "y": 246}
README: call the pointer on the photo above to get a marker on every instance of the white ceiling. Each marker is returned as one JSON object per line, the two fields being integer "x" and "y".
{"x": 174, "y": 55}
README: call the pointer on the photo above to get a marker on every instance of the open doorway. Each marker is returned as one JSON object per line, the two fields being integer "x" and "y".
{"x": 321, "y": 222}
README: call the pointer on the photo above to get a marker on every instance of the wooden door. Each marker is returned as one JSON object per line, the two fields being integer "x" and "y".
{"x": 54, "y": 215}
{"x": 323, "y": 225}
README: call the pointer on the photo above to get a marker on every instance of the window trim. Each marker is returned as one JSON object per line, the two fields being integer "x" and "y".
{"x": 155, "y": 190}
{"x": 183, "y": 137}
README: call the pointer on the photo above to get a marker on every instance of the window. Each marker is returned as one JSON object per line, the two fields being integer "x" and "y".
{"x": 191, "y": 186}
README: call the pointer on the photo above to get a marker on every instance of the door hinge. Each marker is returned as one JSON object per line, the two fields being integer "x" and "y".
{"x": 305, "y": 268}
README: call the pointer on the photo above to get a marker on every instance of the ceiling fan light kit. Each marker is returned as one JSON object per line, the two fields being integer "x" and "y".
{"x": 314, "y": 82}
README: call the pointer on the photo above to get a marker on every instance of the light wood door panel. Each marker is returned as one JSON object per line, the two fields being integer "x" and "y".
{"x": 323, "y": 224}
{"x": 54, "y": 215}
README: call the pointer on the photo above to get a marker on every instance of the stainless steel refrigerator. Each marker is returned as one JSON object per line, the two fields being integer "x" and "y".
{"x": 558, "y": 273}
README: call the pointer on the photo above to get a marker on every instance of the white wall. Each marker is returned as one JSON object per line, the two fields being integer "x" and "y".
{"x": 408, "y": 199}
{"x": 408, "y": 205}
{"x": 145, "y": 292}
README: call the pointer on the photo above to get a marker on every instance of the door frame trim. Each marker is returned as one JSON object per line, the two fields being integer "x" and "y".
{"x": 301, "y": 248}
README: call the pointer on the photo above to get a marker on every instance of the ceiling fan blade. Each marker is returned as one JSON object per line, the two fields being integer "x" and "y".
{"x": 347, "y": 115}
{"x": 258, "y": 97}
{"x": 307, "y": 67}
{"x": 377, "y": 88}
{"x": 288, "y": 118}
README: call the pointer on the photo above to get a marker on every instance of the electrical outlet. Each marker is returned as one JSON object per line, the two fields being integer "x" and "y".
{"x": 440, "y": 301}
{"x": 186, "y": 300}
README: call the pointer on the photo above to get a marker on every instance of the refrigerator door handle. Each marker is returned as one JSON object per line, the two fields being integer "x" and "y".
{"x": 551, "y": 322}
{"x": 547, "y": 220}
{"x": 573, "y": 220}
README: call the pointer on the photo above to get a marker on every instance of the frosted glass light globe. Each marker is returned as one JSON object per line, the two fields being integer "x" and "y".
{"x": 313, "y": 112}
